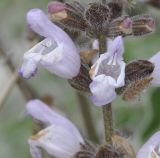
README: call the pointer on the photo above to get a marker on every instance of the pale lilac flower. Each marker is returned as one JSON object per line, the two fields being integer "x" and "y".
{"x": 156, "y": 72}
{"x": 151, "y": 148}
{"x": 108, "y": 73}
{"x": 60, "y": 139}
{"x": 57, "y": 52}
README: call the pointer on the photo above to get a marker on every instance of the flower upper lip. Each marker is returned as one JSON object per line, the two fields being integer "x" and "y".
{"x": 57, "y": 52}
{"x": 108, "y": 73}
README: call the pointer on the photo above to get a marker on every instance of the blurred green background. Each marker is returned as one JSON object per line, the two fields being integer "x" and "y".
{"x": 140, "y": 118}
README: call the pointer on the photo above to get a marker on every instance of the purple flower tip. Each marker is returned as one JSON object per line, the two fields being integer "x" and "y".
{"x": 127, "y": 23}
{"x": 54, "y": 7}
{"x": 20, "y": 72}
{"x": 34, "y": 14}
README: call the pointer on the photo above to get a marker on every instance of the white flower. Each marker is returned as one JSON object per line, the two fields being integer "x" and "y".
{"x": 57, "y": 52}
{"x": 60, "y": 139}
{"x": 108, "y": 73}
{"x": 151, "y": 148}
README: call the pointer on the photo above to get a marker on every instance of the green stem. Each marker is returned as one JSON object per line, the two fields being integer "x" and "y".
{"x": 107, "y": 109}
{"x": 87, "y": 117}
{"x": 108, "y": 122}
{"x": 102, "y": 44}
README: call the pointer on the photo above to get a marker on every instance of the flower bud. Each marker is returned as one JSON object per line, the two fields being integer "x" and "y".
{"x": 121, "y": 26}
{"x": 143, "y": 24}
{"x": 69, "y": 15}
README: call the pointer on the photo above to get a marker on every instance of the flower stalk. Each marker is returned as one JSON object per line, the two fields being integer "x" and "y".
{"x": 108, "y": 122}
{"x": 106, "y": 109}
{"x": 87, "y": 116}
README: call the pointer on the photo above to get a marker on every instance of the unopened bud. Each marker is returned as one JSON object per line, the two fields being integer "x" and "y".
{"x": 69, "y": 15}
{"x": 121, "y": 26}
{"x": 143, "y": 24}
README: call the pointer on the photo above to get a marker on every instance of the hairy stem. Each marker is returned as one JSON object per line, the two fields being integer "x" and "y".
{"x": 108, "y": 122}
{"x": 107, "y": 109}
{"x": 86, "y": 114}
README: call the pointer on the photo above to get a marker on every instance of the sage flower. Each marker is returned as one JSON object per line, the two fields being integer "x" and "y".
{"x": 108, "y": 73}
{"x": 57, "y": 52}
{"x": 151, "y": 148}
{"x": 60, "y": 138}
